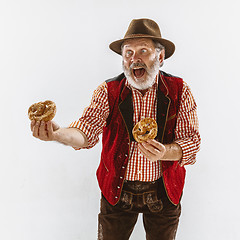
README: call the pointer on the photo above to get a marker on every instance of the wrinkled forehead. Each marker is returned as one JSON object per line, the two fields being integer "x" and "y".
{"x": 137, "y": 42}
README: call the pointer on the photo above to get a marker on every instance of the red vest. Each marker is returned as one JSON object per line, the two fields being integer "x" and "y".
{"x": 118, "y": 133}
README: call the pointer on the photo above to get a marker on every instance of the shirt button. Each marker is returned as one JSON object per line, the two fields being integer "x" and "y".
{"x": 123, "y": 167}
{"x": 121, "y": 177}
{"x": 126, "y": 155}
{"x": 118, "y": 186}
{"x": 116, "y": 197}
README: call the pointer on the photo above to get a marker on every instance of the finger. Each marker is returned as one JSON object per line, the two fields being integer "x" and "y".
{"x": 145, "y": 152}
{"x": 55, "y": 126}
{"x": 152, "y": 149}
{"x": 36, "y": 129}
{"x": 42, "y": 130}
{"x": 33, "y": 122}
{"x": 156, "y": 144}
{"x": 50, "y": 130}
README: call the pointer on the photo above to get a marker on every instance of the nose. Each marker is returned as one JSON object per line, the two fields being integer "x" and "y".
{"x": 135, "y": 58}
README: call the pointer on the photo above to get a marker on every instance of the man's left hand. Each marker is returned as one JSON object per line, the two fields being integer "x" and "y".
{"x": 152, "y": 150}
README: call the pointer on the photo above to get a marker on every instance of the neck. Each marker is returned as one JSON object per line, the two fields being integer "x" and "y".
{"x": 143, "y": 91}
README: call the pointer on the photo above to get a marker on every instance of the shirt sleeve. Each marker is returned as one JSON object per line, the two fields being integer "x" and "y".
{"x": 187, "y": 127}
{"x": 94, "y": 116}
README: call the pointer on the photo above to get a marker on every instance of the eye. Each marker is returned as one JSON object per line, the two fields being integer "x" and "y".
{"x": 128, "y": 53}
{"x": 144, "y": 50}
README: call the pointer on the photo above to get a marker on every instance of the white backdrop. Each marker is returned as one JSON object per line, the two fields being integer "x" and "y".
{"x": 58, "y": 50}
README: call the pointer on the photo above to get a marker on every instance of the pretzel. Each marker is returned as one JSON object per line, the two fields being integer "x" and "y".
{"x": 42, "y": 111}
{"x": 145, "y": 129}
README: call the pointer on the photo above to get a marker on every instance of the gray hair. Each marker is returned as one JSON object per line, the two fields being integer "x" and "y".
{"x": 158, "y": 47}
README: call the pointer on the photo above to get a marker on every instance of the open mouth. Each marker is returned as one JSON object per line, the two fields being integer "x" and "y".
{"x": 138, "y": 72}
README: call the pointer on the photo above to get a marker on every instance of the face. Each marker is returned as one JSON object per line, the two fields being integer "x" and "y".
{"x": 141, "y": 62}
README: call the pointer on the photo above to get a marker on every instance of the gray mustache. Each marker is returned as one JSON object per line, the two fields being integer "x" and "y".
{"x": 138, "y": 65}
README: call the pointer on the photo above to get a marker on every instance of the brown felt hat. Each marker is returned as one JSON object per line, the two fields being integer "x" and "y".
{"x": 144, "y": 28}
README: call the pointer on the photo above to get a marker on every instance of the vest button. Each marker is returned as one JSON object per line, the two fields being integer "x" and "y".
{"x": 126, "y": 155}
{"x": 116, "y": 197}
{"x": 121, "y": 177}
{"x": 118, "y": 186}
{"x": 123, "y": 167}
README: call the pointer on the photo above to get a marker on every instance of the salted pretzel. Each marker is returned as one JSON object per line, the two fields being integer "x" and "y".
{"x": 145, "y": 129}
{"x": 42, "y": 111}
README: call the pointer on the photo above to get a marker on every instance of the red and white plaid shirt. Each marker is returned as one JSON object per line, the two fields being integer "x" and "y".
{"x": 139, "y": 167}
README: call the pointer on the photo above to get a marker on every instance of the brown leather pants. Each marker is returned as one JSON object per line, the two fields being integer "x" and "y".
{"x": 160, "y": 216}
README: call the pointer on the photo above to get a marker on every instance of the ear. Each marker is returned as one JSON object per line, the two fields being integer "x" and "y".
{"x": 162, "y": 55}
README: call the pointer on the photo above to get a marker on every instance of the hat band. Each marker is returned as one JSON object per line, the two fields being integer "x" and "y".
{"x": 140, "y": 35}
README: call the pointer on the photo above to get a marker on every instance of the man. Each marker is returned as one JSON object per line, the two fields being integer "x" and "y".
{"x": 136, "y": 177}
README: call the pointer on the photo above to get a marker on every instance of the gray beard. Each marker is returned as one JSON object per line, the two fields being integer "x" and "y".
{"x": 150, "y": 79}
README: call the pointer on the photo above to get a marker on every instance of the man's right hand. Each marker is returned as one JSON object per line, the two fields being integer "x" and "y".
{"x": 45, "y": 131}
{"x": 50, "y": 131}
